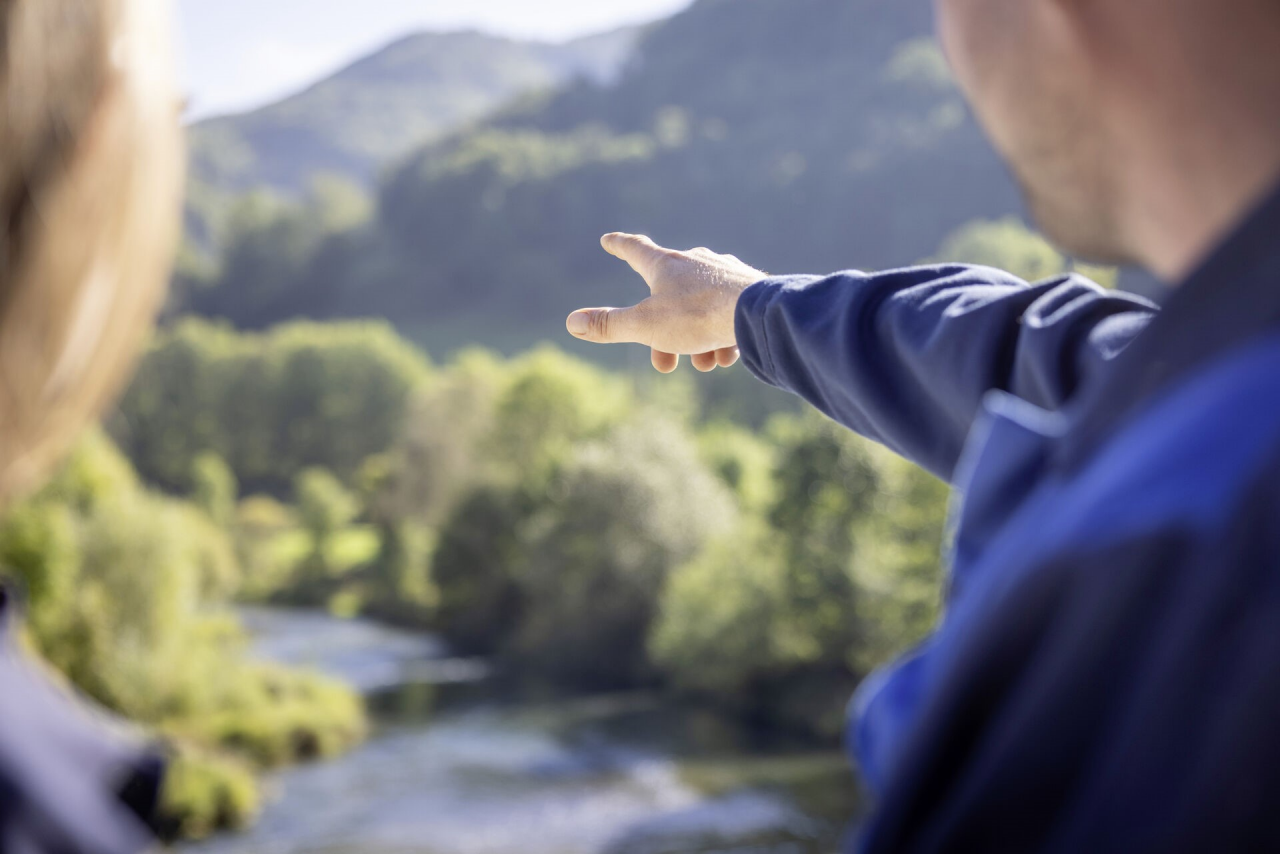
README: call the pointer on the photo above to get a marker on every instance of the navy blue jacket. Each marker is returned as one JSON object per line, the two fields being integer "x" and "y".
{"x": 1106, "y": 677}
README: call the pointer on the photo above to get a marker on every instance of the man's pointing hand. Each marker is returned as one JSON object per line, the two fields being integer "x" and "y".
{"x": 690, "y": 309}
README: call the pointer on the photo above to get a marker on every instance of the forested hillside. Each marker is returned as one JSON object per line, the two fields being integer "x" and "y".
{"x": 802, "y": 135}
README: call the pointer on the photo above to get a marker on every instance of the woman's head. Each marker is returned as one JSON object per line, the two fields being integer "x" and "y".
{"x": 90, "y": 186}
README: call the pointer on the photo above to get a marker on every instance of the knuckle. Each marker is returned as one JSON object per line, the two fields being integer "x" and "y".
{"x": 600, "y": 325}
{"x": 667, "y": 262}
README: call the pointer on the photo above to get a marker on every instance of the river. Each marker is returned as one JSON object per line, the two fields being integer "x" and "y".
{"x": 457, "y": 764}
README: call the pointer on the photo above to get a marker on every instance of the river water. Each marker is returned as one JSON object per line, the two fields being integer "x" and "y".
{"x": 458, "y": 764}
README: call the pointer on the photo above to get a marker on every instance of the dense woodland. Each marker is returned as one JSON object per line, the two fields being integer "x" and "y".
{"x": 808, "y": 136}
{"x": 350, "y": 406}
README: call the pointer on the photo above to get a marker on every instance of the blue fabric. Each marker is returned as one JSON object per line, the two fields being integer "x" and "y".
{"x": 905, "y": 357}
{"x": 71, "y": 780}
{"x": 1107, "y": 671}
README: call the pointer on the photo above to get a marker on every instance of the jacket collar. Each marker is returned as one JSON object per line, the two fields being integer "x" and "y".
{"x": 1233, "y": 298}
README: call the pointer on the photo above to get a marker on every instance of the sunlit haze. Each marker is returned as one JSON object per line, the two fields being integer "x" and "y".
{"x": 242, "y": 53}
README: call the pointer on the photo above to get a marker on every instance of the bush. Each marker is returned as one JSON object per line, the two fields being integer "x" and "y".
{"x": 214, "y": 488}
{"x": 623, "y": 513}
{"x": 476, "y": 567}
{"x": 779, "y": 619}
{"x": 273, "y": 716}
{"x": 324, "y": 506}
{"x": 826, "y": 481}
{"x": 742, "y": 461}
{"x": 898, "y": 565}
{"x": 204, "y": 792}
{"x": 218, "y": 566}
{"x": 488, "y": 421}
{"x": 119, "y": 583}
{"x": 718, "y": 629}
{"x": 260, "y": 521}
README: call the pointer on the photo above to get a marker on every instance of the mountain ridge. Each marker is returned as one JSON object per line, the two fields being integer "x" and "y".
{"x": 410, "y": 91}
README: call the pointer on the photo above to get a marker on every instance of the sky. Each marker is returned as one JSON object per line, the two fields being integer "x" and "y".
{"x": 238, "y": 54}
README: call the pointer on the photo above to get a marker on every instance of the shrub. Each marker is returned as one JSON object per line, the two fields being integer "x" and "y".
{"x": 119, "y": 582}
{"x": 324, "y": 508}
{"x": 204, "y": 792}
{"x": 622, "y": 513}
{"x": 274, "y": 716}
{"x": 898, "y": 565}
{"x": 214, "y": 488}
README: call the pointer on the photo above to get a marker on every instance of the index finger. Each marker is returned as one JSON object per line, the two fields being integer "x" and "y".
{"x": 636, "y": 249}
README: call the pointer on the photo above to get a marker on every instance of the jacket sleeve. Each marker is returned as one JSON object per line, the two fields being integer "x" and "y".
{"x": 905, "y": 357}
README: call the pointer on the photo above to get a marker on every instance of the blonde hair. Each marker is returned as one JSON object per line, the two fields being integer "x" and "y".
{"x": 90, "y": 181}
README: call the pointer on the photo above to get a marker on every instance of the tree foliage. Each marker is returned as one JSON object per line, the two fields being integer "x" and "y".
{"x": 1005, "y": 244}
{"x": 120, "y": 587}
{"x": 841, "y": 571}
{"x": 587, "y": 528}
{"x": 269, "y": 405}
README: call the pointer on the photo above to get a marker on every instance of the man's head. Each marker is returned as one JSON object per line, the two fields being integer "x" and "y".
{"x": 1121, "y": 118}
{"x": 90, "y": 181}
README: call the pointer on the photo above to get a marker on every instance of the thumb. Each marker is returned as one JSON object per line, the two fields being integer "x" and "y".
{"x": 610, "y": 325}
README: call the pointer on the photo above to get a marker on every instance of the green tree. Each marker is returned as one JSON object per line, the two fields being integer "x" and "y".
{"x": 720, "y": 613}
{"x": 325, "y": 507}
{"x": 476, "y": 569}
{"x": 826, "y": 483}
{"x": 270, "y": 405}
{"x": 401, "y": 570}
{"x": 214, "y": 488}
{"x": 779, "y": 618}
{"x": 742, "y": 460}
{"x": 1005, "y": 244}
{"x": 551, "y": 402}
{"x": 439, "y": 451}
{"x": 625, "y": 511}
{"x": 1009, "y": 245}
{"x": 271, "y": 250}
{"x": 898, "y": 567}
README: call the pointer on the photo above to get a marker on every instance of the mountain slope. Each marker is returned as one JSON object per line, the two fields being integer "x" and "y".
{"x": 801, "y": 135}
{"x": 407, "y": 94}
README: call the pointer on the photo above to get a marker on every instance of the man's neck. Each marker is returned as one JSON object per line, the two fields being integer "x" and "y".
{"x": 1192, "y": 203}
{"x": 1200, "y": 145}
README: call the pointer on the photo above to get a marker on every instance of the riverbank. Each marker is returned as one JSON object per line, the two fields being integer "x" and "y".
{"x": 458, "y": 765}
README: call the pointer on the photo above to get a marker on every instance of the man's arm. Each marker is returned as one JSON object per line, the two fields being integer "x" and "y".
{"x": 902, "y": 357}
{"x": 905, "y": 357}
